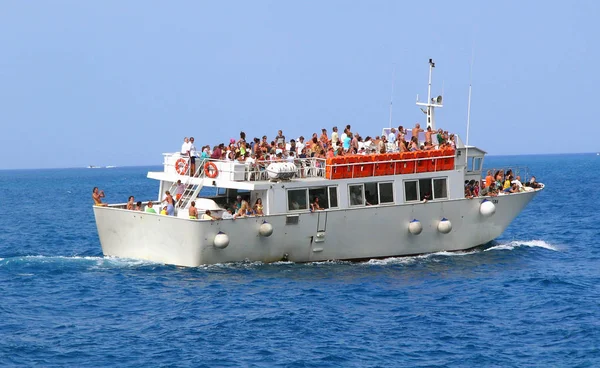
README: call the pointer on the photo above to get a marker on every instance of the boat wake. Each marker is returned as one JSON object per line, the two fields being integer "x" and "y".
{"x": 526, "y": 243}
{"x": 96, "y": 262}
{"x": 67, "y": 261}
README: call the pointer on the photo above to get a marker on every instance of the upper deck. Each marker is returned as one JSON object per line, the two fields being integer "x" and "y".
{"x": 251, "y": 175}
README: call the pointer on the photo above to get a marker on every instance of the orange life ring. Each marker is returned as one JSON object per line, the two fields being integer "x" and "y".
{"x": 181, "y": 165}
{"x": 211, "y": 170}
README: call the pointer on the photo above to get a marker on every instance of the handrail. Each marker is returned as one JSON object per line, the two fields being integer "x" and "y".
{"x": 355, "y": 165}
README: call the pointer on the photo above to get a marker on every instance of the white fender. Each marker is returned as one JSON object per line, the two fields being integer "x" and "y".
{"x": 221, "y": 240}
{"x": 444, "y": 226}
{"x": 487, "y": 208}
{"x": 415, "y": 227}
{"x": 265, "y": 229}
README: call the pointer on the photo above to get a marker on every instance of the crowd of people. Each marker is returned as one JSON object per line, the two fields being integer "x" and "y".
{"x": 318, "y": 146}
{"x": 500, "y": 182}
{"x": 240, "y": 208}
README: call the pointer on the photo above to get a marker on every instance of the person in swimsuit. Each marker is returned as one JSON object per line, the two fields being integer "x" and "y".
{"x": 193, "y": 211}
{"x": 258, "y": 207}
{"x": 130, "y": 204}
{"x": 138, "y": 206}
{"x": 315, "y": 205}
{"x": 96, "y": 196}
{"x": 170, "y": 203}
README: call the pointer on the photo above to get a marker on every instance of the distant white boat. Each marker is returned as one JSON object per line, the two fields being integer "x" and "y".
{"x": 110, "y": 167}
{"x": 94, "y": 167}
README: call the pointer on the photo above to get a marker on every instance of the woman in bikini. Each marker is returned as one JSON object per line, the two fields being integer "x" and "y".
{"x": 258, "y": 207}
{"x": 130, "y": 204}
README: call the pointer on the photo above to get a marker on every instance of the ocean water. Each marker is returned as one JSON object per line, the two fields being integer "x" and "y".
{"x": 530, "y": 298}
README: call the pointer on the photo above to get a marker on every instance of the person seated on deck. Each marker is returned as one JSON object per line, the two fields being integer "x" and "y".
{"x": 207, "y": 216}
{"x": 164, "y": 211}
{"x": 498, "y": 179}
{"x": 258, "y": 207}
{"x": 138, "y": 206}
{"x": 488, "y": 190}
{"x": 511, "y": 189}
{"x": 228, "y": 215}
{"x": 414, "y": 144}
{"x": 533, "y": 183}
{"x": 518, "y": 183}
{"x": 507, "y": 181}
{"x": 149, "y": 208}
{"x": 130, "y": 203}
{"x": 244, "y": 207}
{"x": 193, "y": 211}
{"x": 96, "y": 196}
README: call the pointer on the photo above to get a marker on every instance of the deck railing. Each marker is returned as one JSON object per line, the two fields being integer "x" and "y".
{"x": 339, "y": 167}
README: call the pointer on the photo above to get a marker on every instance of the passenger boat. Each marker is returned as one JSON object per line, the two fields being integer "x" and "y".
{"x": 376, "y": 206}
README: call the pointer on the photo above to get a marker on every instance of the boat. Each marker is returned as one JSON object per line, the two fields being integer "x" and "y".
{"x": 374, "y": 206}
{"x": 94, "y": 167}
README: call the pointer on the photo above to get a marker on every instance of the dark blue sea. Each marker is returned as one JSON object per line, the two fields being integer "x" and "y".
{"x": 529, "y": 299}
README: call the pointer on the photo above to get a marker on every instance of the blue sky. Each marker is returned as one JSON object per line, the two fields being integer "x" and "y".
{"x": 120, "y": 82}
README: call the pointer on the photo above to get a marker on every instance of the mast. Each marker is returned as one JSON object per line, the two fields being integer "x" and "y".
{"x": 431, "y": 103}
{"x": 392, "y": 95}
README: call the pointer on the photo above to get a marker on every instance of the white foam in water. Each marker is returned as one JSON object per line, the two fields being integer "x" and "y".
{"x": 412, "y": 259}
{"x": 527, "y": 243}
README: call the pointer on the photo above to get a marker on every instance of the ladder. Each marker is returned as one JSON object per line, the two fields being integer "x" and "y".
{"x": 191, "y": 190}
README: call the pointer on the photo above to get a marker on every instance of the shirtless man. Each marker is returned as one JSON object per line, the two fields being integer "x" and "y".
{"x": 428, "y": 134}
{"x": 96, "y": 195}
{"x": 416, "y": 130}
{"x": 193, "y": 211}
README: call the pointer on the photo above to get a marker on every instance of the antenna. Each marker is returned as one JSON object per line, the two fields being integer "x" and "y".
{"x": 392, "y": 95}
{"x": 469, "y": 105}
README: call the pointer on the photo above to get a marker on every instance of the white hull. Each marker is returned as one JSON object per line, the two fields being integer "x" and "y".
{"x": 347, "y": 234}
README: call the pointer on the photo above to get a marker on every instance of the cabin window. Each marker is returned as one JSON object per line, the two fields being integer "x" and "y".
{"x": 333, "y": 199}
{"x": 426, "y": 189}
{"x": 371, "y": 194}
{"x": 410, "y": 191}
{"x": 386, "y": 193}
{"x": 320, "y": 193}
{"x": 297, "y": 199}
{"x": 477, "y": 164}
{"x": 440, "y": 189}
{"x": 356, "y": 195}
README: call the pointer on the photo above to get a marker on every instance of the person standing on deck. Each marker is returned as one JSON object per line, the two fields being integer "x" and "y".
{"x": 192, "y": 154}
{"x": 416, "y": 130}
{"x": 193, "y": 211}
{"x": 170, "y": 203}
